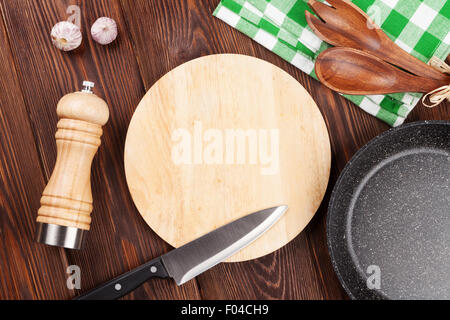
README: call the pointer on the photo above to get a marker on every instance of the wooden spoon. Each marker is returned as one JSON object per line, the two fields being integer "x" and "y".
{"x": 352, "y": 71}
{"x": 346, "y": 25}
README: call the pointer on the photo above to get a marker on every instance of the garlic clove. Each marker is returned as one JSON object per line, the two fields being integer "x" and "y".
{"x": 66, "y": 36}
{"x": 104, "y": 30}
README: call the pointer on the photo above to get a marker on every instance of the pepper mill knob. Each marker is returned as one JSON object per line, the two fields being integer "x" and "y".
{"x": 66, "y": 204}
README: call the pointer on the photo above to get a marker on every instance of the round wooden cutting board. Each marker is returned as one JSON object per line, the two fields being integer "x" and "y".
{"x": 223, "y": 136}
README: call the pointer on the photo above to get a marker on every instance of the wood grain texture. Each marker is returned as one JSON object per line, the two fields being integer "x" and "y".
{"x": 223, "y": 136}
{"x": 155, "y": 37}
{"x": 193, "y": 33}
{"x": 67, "y": 198}
{"x": 346, "y": 25}
{"x": 28, "y": 270}
{"x": 119, "y": 238}
{"x": 351, "y": 71}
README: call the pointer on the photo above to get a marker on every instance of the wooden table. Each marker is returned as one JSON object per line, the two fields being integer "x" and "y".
{"x": 155, "y": 37}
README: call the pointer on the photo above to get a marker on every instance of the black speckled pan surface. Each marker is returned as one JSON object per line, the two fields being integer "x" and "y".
{"x": 390, "y": 212}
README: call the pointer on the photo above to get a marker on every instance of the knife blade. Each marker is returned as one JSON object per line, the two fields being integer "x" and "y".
{"x": 194, "y": 258}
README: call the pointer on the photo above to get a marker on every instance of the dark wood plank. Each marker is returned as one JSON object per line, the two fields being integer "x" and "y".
{"x": 420, "y": 112}
{"x": 119, "y": 239}
{"x": 298, "y": 271}
{"x": 183, "y": 30}
{"x": 155, "y": 37}
{"x": 28, "y": 270}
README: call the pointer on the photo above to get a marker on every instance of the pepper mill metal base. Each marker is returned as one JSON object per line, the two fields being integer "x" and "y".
{"x": 60, "y": 236}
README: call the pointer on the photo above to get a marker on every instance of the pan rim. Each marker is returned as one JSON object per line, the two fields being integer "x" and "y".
{"x": 342, "y": 177}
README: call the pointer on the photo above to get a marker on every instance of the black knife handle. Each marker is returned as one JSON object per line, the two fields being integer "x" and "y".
{"x": 126, "y": 283}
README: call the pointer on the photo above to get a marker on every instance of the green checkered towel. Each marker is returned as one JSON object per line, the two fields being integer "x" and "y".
{"x": 420, "y": 27}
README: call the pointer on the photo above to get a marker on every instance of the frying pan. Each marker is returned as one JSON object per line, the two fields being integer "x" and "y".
{"x": 388, "y": 223}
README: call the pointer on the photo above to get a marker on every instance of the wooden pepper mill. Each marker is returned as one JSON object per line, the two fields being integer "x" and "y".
{"x": 66, "y": 204}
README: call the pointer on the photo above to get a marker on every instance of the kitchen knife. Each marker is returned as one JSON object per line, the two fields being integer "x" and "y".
{"x": 194, "y": 258}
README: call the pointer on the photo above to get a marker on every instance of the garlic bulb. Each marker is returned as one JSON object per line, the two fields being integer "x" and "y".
{"x": 104, "y": 30}
{"x": 66, "y": 36}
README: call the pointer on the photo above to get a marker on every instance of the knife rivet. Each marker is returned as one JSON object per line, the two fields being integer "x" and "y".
{"x": 118, "y": 287}
{"x": 153, "y": 269}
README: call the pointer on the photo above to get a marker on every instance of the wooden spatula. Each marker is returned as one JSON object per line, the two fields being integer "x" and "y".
{"x": 346, "y": 25}
{"x": 352, "y": 71}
